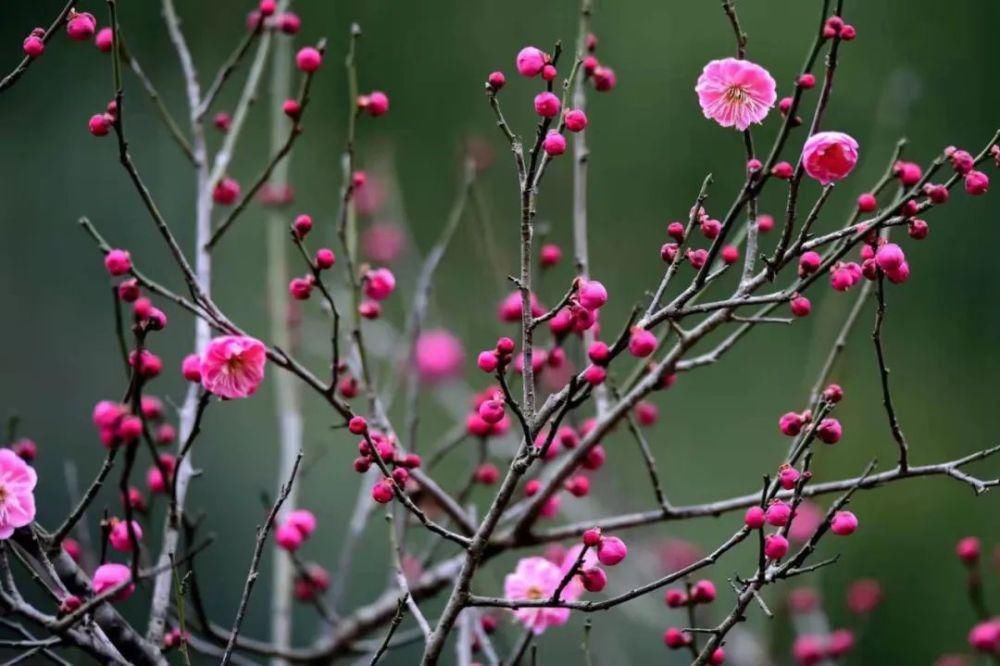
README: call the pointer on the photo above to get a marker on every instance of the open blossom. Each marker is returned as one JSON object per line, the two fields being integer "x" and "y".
{"x": 535, "y": 579}
{"x": 735, "y": 93}
{"x": 439, "y": 355}
{"x": 233, "y": 366}
{"x": 17, "y": 497}
{"x": 829, "y": 156}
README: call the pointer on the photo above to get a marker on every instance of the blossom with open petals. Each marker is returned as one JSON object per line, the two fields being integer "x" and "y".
{"x": 233, "y": 366}
{"x": 735, "y": 93}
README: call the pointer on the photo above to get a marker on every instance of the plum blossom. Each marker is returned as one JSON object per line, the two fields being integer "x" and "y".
{"x": 439, "y": 355}
{"x": 17, "y": 497}
{"x": 535, "y": 579}
{"x": 233, "y": 366}
{"x": 735, "y": 93}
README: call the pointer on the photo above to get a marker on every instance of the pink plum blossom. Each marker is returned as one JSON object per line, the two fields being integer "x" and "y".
{"x": 735, "y": 93}
{"x": 17, "y": 497}
{"x": 232, "y": 366}
{"x": 535, "y": 579}
{"x": 439, "y": 355}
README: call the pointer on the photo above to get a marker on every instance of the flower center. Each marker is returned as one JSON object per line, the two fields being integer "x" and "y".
{"x": 534, "y": 593}
{"x": 736, "y": 95}
{"x": 4, "y": 494}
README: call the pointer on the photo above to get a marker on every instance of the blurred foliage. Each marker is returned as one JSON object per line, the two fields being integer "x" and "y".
{"x": 919, "y": 68}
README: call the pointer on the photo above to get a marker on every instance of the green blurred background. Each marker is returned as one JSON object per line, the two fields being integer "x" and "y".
{"x": 919, "y": 68}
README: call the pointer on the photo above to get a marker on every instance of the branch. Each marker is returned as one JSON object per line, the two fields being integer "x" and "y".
{"x": 262, "y": 533}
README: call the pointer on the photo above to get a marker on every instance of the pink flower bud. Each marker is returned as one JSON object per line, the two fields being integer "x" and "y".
{"x": 547, "y": 104}
{"x": 808, "y": 650}
{"x": 674, "y": 638}
{"x": 302, "y": 225}
{"x": 788, "y": 476}
{"x": 809, "y": 263}
{"x": 376, "y": 103}
{"x": 288, "y": 537}
{"x": 807, "y": 81}
{"x": 549, "y": 72}
{"x": 765, "y": 223}
{"x": 976, "y": 183}
{"x": 103, "y": 40}
{"x": 289, "y": 23}
{"x": 611, "y": 551}
{"x": 844, "y": 523}
{"x": 111, "y": 576}
{"x": 119, "y": 537}
{"x": 357, "y": 425}
{"x": 382, "y": 492}
{"x": 867, "y": 202}
{"x": 778, "y": 513}
{"x": 530, "y": 61}
{"x": 985, "y": 637}
{"x": 730, "y": 254}
{"x": 226, "y": 192}
{"x": 676, "y": 231}
{"x": 291, "y": 108}
{"x": 791, "y": 424}
{"x": 487, "y": 361}
{"x": 491, "y": 410}
{"x": 379, "y": 284}
{"x": 496, "y": 80}
{"x": 899, "y": 275}
{"x": 592, "y": 537}
{"x": 646, "y": 413}
{"x": 576, "y": 120}
{"x": 703, "y": 592}
{"x": 829, "y": 156}
{"x": 829, "y": 431}
{"x": 578, "y": 486}
{"x": 917, "y": 229}
{"x": 889, "y": 257}
{"x": 25, "y": 449}
{"x": 554, "y": 143}
{"x": 595, "y": 375}
{"x": 782, "y": 170}
{"x": 968, "y": 549}
{"x": 909, "y": 173}
{"x": 604, "y": 78}
{"x": 118, "y": 262}
{"x": 300, "y": 288}
{"x": 325, "y": 258}
{"x": 775, "y": 546}
{"x": 641, "y": 342}
{"x": 594, "y": 579}
{"x": 308, "y": 59}
{"x": 711, "y": 228}
{"x": 668, "y": 252}
{"x": 675, "y": 598}
{"x": 550, "y": 255}
{"x": 80, "y": 27}
{"x": 864, "y": 596}
{"x": 33, "y": 46}
{"x": 593, "y": 295}
{"x": 191, "y": 368}
{"x": 754, "y": 517}
{"x": 962, "y": 161}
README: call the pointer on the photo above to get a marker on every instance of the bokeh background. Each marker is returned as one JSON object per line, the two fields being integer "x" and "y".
{"x": 919, "y": 68}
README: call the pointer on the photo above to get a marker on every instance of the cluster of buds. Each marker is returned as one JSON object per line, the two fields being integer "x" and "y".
{"x": 374, "y": 443}
{"x": 295, "y": 529}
